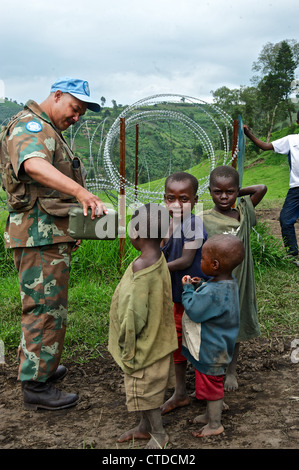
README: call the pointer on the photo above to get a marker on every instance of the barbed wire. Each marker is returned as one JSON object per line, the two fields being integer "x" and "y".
{"x": 104, "y": 176}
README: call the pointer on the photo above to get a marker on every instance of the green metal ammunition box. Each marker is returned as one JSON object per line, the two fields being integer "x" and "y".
{"x": 81, "y": 227}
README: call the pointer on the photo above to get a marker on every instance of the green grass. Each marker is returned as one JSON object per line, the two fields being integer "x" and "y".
{"x": 276, "y": 284}
{"x": 10, "y": 310}
{"x": 275, "y": 177}
{"x": 96, "y": 271}
{"x": 277, "y": 296}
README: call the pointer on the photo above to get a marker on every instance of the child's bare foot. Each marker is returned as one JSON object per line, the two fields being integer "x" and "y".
{"x": 157, "y": 441}
{"x": 199, "y": 419}
{"x": 208, "y": 431}
{"x": 231, "y": 383}
{"x": 135, "y": 433}
{"x": 225, "y": 407}
{"x": 204, "y": 419}
{"x": 174, "y": 402}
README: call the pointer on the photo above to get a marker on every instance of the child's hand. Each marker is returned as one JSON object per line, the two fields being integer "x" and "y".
{"x": 246, "y": 130}
{"x": 195, "y": 280}
{"x": 186, "y": 280}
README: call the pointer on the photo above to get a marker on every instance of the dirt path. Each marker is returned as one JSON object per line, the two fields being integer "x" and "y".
{"x": 263, "y": 412}
{"x": 271, "y": 216}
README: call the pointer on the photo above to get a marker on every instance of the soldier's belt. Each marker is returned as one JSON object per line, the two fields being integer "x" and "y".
{"x": 104, "y": 227}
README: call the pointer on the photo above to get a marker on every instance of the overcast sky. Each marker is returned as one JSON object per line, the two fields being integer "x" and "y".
{"x": 129, "y": 49}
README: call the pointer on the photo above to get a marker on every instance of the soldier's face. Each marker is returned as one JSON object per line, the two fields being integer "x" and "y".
{"x": 66, "y": 110}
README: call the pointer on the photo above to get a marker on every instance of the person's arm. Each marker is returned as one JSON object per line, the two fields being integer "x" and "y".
{"x": 198, "y": 303}
{"x": 193, "y": 240}
{"x": 262, "y": 145}
{"x": 256, "y": 193}
{"x": 186, "y": 260}
{"x": 46, "y": 174}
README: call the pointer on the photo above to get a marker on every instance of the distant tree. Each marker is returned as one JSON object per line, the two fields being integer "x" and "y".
{"x": 276, "y": 65}
{"x": 251, "y": 114}
{"x": 243, "y": 101}
{"x": 268, "y": 56}
{"x": 275, "y": 70}
{"x": 269, "y": 100}
{"x": 284, "y": 69}
{"x": 114, "y": 103}
{"x": 103, "y": 101}
{"x": 228, "y": 100}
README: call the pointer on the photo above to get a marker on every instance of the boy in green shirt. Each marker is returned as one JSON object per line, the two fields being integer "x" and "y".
{"x": 142, "y": 333}
{"x": 225, "y": 218}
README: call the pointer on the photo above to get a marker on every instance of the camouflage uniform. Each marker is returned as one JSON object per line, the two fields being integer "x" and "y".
{"x": 43, "y": 278}
{"x": 36, "y": 230}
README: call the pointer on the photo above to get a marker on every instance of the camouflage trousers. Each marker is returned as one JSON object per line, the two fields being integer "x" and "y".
{"x": 43, "y": 278}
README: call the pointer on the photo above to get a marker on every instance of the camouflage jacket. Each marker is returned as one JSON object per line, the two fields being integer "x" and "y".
{"x": 37, "y": 215}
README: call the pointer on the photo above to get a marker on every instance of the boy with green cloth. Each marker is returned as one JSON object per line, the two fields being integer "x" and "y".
{"x": 142, "y": 333}
{"x": 225, "y": 218}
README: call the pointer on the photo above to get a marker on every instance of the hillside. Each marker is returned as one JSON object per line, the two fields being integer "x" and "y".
{"x": 259, "y": 167}
{"x": 166, "y": 140}
{"x": 165, "y": 146}
{"x": 8, "y": 109}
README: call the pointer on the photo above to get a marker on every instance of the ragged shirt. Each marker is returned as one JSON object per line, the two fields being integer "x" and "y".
{"x": 210, "y": 325}
{"x": 142, "y": 328}
{"x": 216, "y": 223}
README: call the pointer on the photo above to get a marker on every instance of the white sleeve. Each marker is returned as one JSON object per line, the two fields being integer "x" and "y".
{"x": 282, "y": 145}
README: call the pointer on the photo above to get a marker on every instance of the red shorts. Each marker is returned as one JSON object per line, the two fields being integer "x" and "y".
{"x": 178, "y": 310}
{"x": 208, "y": 387}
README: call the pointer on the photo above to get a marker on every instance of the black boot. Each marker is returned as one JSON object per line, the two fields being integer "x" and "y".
{"x": 44, "y": 395}
{"x": 59, "y": 374}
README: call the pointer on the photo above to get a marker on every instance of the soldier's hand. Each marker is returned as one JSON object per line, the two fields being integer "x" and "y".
{"x": 76, "y": 246}
{"x": 87, "y": 200}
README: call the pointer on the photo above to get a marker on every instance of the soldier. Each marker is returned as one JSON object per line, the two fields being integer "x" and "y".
{"x": 43, "y": 179}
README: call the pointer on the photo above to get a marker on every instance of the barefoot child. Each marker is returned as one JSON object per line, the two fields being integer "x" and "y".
{"x": 182, "y": 251}
{"x": 224, "y": 218}
{"x": 211, "y": 324}
{"x": 142, "y": 333}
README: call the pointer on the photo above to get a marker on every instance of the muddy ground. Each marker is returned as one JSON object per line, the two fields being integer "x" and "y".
{"x": 263, "y": 412}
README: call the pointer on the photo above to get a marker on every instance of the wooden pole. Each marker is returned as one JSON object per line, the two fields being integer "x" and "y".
{"x": 235, "y": 143}
{"x": 136, "y": 160}
{"x": 122, "y": 208}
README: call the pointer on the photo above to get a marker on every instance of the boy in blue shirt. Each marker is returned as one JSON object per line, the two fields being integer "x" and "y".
{"x": 211, "y": 324}
{"x": 182, "y": 251}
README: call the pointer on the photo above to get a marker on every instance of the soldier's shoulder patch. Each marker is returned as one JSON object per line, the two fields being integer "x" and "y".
{"x": 33, "y": 126}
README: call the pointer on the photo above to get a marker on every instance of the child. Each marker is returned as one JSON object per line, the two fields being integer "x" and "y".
{"x": 142, "y": 335}
{"x": 211, "y": 325}
{"x": 224, "y": 218}
{"x": 182, "y": 251}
